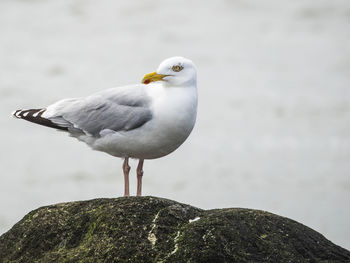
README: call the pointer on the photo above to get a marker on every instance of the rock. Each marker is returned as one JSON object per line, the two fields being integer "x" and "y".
{"x": 150, "y": 229}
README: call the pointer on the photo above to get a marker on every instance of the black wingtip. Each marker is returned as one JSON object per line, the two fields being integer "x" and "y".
{"x": 34, "y": 115}
{"x": 14, "y": 114}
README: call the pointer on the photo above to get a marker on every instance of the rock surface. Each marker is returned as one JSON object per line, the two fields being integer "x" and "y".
{"x": 150, "y": 229}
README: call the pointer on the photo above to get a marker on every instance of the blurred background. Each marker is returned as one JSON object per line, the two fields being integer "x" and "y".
{"x": 273, "y": 127}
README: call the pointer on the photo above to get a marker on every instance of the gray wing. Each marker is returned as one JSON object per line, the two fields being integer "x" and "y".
{"x": 119, "y": 109}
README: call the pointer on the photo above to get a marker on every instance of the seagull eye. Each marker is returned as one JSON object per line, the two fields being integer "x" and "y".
{"x": 177, "y": 68}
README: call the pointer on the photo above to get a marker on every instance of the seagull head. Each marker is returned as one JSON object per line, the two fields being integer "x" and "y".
{"x": 175, "y": 71}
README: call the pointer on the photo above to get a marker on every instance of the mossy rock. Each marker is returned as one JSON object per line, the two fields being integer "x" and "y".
{"x": 150, "y": 229}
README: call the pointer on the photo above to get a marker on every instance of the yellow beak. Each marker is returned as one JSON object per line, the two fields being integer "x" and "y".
{"x": 150, "y": 77}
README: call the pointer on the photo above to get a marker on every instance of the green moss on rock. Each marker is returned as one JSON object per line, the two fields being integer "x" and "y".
{"x": 149, "y": 229}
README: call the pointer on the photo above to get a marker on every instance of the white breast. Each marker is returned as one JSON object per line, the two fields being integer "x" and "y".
{"x": 174, "y": 115}
{"x": 175, "y": 111}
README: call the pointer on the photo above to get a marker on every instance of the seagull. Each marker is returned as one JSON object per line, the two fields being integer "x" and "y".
{"x": 142, "y": 121}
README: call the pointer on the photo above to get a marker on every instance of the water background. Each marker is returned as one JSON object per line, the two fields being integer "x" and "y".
{"x": 273, "y": 127}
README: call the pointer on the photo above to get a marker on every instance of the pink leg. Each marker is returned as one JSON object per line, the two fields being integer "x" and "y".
{"x": 126, "y": 170}
{"x": 139, "y": 172}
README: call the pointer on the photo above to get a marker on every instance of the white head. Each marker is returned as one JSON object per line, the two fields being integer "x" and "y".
{"x": 175, "y": 71}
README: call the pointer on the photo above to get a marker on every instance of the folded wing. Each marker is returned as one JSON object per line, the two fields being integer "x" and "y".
{"x": 119, "y": 109}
